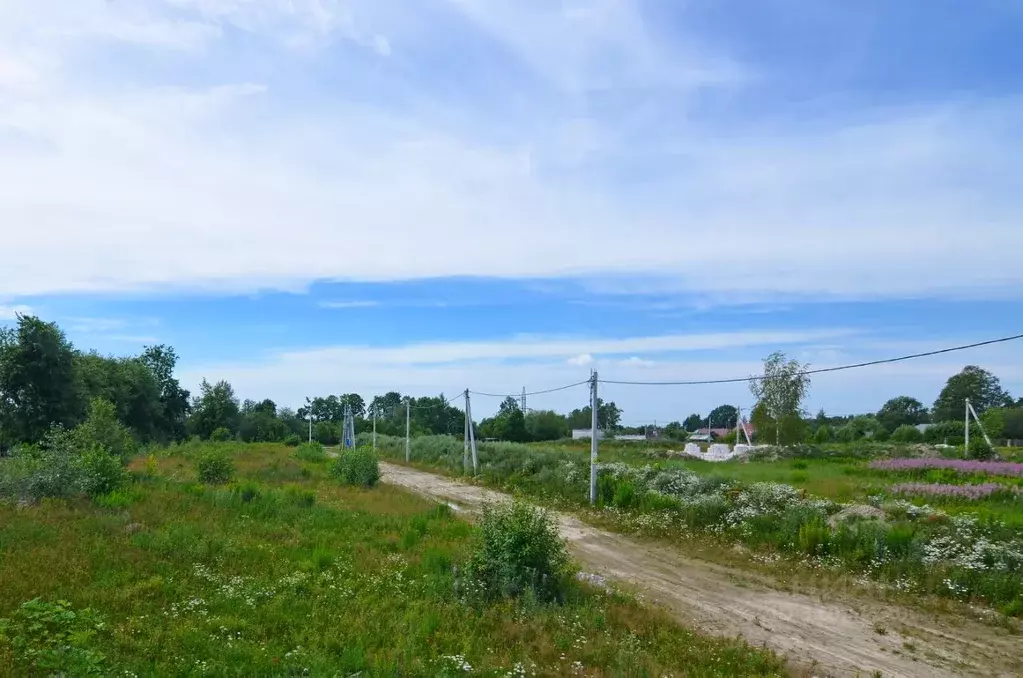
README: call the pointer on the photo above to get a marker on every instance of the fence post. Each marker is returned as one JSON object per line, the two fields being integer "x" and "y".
{"x": 593, "y": 440}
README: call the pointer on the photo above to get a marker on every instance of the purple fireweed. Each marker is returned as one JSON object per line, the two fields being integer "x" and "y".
{"x": 939, "y": 490}
{"x": 994, "y": 468}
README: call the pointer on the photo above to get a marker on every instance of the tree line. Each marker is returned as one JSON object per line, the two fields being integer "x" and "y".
{"x": 46, "y": 382}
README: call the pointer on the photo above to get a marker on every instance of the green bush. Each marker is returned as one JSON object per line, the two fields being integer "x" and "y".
{"x": 979, "y": 449}
{"x": 52, "y": 639}
{"x": 102, "y": 428}
{"x": 848, "y": 434}
{"x": 292, "y": 440}
{"x": 907, "y": 433}
{"x": 215, "y": 468}
{"x": 220, "y": 435}
{"x": 517, "y": 549}
{"x": 311, "y": 452}
{"x": 823, "y": 434}
{"x": 102, "y": 472}
{"x": 357, "y": 467}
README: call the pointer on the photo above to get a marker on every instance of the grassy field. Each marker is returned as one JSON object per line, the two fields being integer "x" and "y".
{"x": 285, "y": 573}
{"x": 793, "y": 512}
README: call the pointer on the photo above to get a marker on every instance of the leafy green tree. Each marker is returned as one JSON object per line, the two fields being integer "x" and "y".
{"x": 508, "y": 424}
{"x": 693, "y": 422}
{"x": 355, "y": 401}
{"x": 902, "y": 411}
{"x": 546, "y": 425}
{"x": 980, "y": 386}
{"x": 174, "y": 400}
{"x": 779, "y": 394}
{"x": 102, "y": 429}
{"x": 37, "y": 381}
{"x": 788, "y": 429}
{"x": 434, "y": 415}
{"x": 1013, "y": 423}
{"x": 723, "y": 416}
{"x": 907, "y": 434}
{"x": 609, "y": 416}
{"x": 259, "y": 422}
{"x": 823, "y": 434}
{"x": 215, "y": 407}
{"x": 675, "y": 431}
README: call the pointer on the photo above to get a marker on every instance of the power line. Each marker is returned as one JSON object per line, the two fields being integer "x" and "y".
{"x": 821, "y": 370}
{"x": 533, "y": 393}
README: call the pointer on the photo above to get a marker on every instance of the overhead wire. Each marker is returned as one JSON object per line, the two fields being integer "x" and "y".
{"x": 821, "y": 370}
{"x": 530, "y": 393}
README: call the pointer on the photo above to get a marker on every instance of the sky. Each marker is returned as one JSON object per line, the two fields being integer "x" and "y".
{"x": 324, "y": 196}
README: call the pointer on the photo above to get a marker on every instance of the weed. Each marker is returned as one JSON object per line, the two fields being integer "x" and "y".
{"x": 357, "y": 467}
{"x": 215, "y": 468}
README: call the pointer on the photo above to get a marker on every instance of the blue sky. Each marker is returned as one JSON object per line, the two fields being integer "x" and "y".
{"x": 315, "y": 196}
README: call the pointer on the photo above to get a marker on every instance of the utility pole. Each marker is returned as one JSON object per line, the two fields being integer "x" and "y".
{"x": 408, "y": 438}
{"x": 465, "y": 438}
{"x": 593, "y": 440}
{"x": 310, "y": 426}
{"x": 374, "y": 428}
{"x": 967, "y": 426}
{"x": 472, "y": 434}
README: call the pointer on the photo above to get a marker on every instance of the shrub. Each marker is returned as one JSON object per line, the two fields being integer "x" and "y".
{"x": 357, "y": 467}
{"x": 215, "y": 468}
{"x": 101, "y": 472}
{"x": 907, "y": 433}
{"x": 823, "y": 434}
{"x": 979, "y": 449}
{"x": 848, "y": 434}
{"x": 53, "y": 639}
{"x": 101, "y": 428}
{"x": 292, "y": 440}
{"x": 311, "y": 452}
{"x": 220, "y": 435}
{"x": 517, "y": 549}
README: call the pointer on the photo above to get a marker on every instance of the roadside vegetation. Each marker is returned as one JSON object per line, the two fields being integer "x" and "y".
{"x": 876, "y": 522}
{"x": 286, "y": 571}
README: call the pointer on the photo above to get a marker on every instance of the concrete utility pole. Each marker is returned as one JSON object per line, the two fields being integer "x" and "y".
{"x": 465, "y": 437}
{"x": 472, "y": 434}
{"x": 593, "y": 440}
{"x": 374, "y": 428}
{"x": 967, "y": 426}
{"x": 408, "y": 437}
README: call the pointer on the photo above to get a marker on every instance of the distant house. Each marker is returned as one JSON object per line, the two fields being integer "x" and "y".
{"x": 585, "y": 434}
{"x": 631, "y": 436}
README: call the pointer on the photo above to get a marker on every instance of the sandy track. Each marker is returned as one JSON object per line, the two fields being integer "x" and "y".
{"x": 831, "y": 637}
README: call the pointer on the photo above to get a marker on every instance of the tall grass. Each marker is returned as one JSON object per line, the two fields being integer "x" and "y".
{"x": 916, "y": 548}
{"x": 286, "y": 572}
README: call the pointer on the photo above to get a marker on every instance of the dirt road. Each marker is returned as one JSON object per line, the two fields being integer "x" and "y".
{"x": 819, "y": 638}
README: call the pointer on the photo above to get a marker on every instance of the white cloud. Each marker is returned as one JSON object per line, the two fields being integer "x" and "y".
{"x": 355, "y": 303}
{"x": 505, "y": 368}
{"x": 129, "y": 183}
{"x": 636, "y": 361}
{"x": 10, "y": 312}
{"x": 581, "y": 360}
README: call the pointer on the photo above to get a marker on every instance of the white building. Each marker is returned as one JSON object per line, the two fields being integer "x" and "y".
{"x": 585, "y": 433}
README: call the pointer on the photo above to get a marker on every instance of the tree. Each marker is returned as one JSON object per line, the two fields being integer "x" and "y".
{"x": 693, "y": 422}
{"x": 907, "y": 433}
{"x": 355, "y": 401}
{"x": 980, "y": 386}
{"x": 675, "y": 431}
{"x": 508, "y": 424}
{"x": 215, "y": 407}
{"x": 780, "y": 393}
{"x": 902, "y": 411}
{"x": 546, "y": 425}
{"x": 161, "y": 361}
{"x": 38, "y": 387}
{"x": 823, "y": 434}
{"x": 609, "y": 416}
{"x": 723, "y": 416}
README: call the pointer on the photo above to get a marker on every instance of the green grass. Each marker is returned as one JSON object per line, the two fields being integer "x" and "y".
{"x": 286, "y": 572}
